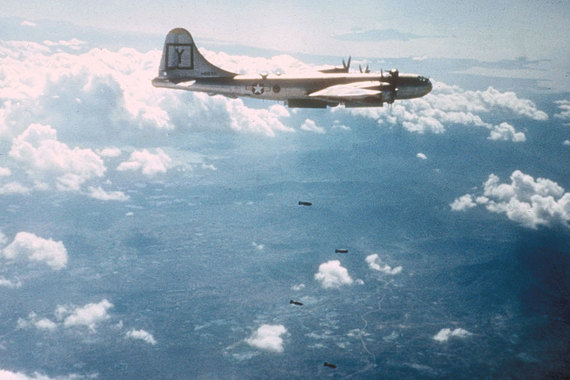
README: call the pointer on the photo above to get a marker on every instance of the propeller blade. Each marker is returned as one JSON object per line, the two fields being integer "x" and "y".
{"x": 348, "y": 63}
{"x": 367, "y": 70}
{"x": 360, "y": 68}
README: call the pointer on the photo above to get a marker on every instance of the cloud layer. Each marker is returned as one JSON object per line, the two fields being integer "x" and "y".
{"x": 451, "y": 105}
{"x": 527, "y": 201}
{"x": 50, "y": 96}
{"x": 110, "y": 92}
{"x": 60, "y": 108}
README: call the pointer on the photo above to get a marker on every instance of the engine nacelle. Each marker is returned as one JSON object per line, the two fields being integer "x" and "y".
{"x": 394, "y": 73}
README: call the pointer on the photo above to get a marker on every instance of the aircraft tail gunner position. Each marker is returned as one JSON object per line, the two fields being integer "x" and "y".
{"x": 183, "y": 67}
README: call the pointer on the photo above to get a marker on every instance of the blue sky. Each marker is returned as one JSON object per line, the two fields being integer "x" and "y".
{"x": 484, "y": 31}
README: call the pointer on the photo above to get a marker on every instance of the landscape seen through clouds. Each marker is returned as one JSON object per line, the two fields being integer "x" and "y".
{"x": 157, "y": 234}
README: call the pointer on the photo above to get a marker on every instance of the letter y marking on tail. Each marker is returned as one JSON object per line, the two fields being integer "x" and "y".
{"x": 179, "y": 53}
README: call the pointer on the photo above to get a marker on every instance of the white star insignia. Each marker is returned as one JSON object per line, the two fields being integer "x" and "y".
{"x": 257, "y": 89}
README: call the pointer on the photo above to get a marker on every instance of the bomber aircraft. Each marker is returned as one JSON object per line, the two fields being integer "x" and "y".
{"x": 183, "y": 67}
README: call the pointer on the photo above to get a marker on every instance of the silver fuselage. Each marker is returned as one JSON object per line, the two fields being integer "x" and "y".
{"x": 285, "y": 87}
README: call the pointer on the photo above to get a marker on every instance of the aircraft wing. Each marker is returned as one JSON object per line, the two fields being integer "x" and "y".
{"x": 349, "y": 92}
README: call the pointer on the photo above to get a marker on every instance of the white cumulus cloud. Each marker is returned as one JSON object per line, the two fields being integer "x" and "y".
{"x": 268, "y": 338}
{"x": 14, "y": 188}
{"x": 444, "y": 334}
{"x": 43, "y": 157}
{"x": 564, "y": 107}
{"x": 376, "y": 264}
{"x": 310, "y": 126}
{"x": 109, "y": 152}
{"x": 463, "y": 203}
{"x": 73, "y": 44}
{"x": 298, "y": 287}
{"x": 333, "y": 275}
{"x": 89, "y": 315}
{"x": 45, "y": 324}
{"x": 338, "y": 125}
{"x": 33, "y": 321}
{"x": 99, "y": 193}
{"x": 29, "y": 247}
{"x": 148, "y": 163}
{"x": 421, "y": 156}
{"x": 506, "y": 132}
{"x": 143, "y": 335}
{"x": 9, "y": 283}
{"x": 258, "y": 246}
{"x": 28, "y": 23}
{"x": 527, "y": 201}
{"x": 451, "y": 105}
{"x": 250, "y": 120}
{"x": 242, "y": 64}
{"x": 11, "y": 375}
{"x": 5, "y": 172}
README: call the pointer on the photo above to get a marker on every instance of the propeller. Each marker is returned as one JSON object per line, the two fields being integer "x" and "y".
{"x": 346, "y": 65}
{"x": 366, "y": 70}
{"x": 335, "y": 70}
{"x": 392, "y": 80}
{"x": 395, "y": 75}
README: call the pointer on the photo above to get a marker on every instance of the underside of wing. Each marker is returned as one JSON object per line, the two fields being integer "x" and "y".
{"x": 357, "y": 94}
{"x": 349, "y": 92}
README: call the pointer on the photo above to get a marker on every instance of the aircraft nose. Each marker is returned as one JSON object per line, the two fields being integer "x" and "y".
{"x": 428, "y": 87}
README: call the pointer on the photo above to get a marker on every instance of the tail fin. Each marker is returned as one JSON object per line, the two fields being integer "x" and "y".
{"x": 181, "y": 60}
